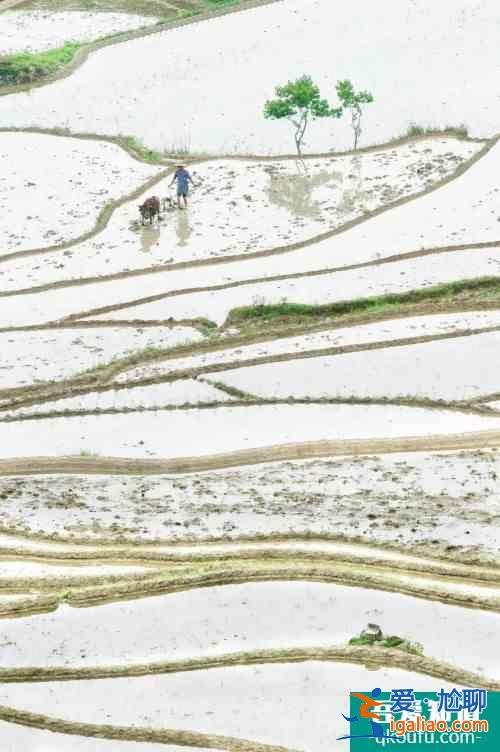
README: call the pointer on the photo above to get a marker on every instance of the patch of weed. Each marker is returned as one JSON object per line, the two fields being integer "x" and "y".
{"x": 88, "y": 453}
{"x": 459, "y": 131}
{"x": 393, "y": 641}
{"x": 222, "y": 3}
{"x": 481, "y": 288}
{"x": 141, "y": 150}
{"x": 27, "y": 67}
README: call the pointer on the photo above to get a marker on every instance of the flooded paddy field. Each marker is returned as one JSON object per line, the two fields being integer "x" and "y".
{"x": 111, "y": 80}
{"x": 247, "y": 702}
{"x": 233, "y": 429}
{"x": 52, "y": 189}
{"x": 249, "y": 451}
{"x": 445, "y": 501}
{"x": 49, "y": 355}
{"x": 248, "y": 208}
{"x": 37, "y": 30}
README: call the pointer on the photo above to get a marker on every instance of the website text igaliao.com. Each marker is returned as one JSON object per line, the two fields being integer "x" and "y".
{"x": 434, "y": 732}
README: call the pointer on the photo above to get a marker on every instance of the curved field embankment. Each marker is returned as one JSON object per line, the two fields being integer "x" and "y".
{"x": 136, "y": 734}
{"x": 307, "y": 450}
{"x": 87, "y": 48}
{"x": 370, "y": 656}
{"x": 106, "y": 214}
{"x": 102, "y": 379}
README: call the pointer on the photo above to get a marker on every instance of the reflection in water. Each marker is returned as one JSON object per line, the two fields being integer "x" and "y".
{"x": 182, "y": 227}
{"x": 149, "y": 237}
{"x": 294, "y": 192}
{"x": 353, "y": 194}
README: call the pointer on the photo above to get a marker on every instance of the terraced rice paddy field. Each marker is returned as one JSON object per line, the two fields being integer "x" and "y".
{"x": 232, "y": 439}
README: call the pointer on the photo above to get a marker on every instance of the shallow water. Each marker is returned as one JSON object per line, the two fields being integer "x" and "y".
{"x": 210, "y": 431}
{"x": 255, "y": 616}
{"x": 430, "y": 45}
{"x": 52, "y": 188}
{"x": 37, "y": 31}
{"x": 456, "y": 369}
{"x": 240, "y": 207}
{"x": 383, "y": 331}
{"x": 298, "y": 706}
{"x": 31, "y": 357}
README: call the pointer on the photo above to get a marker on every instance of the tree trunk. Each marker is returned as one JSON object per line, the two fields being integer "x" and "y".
{"x": 356, "y": 125}
{"x": 300, "y": 133}
{"x": 298, "y": 142}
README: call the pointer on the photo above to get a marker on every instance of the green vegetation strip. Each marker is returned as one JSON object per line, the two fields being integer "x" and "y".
{"x": 373, "y": 656}
{"x": 486, "y": 289}
{"x": 26, "y": 67}
{"x": 24, "y": 71}
{"x": 222, "y": 3}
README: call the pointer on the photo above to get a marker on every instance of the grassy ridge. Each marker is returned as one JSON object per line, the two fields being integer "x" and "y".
{"x": 481, "y": 289}
{"x": 29, "y": 67}
{"x": 25, "y": 67}
{"x": 221, "y": 3}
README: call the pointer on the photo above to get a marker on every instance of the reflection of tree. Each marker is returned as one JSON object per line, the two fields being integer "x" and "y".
{"x": 294, "y": 192}
{"x": 353, "y": 194}
{"x": 182, "y": 228}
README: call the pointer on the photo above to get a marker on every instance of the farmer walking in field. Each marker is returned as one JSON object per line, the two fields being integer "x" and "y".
{"x": 183, "y": 178}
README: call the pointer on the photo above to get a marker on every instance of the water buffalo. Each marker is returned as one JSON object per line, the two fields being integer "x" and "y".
{"x": 150, "y": 209}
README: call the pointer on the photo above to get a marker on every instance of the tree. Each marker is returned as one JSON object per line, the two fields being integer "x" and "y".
{"x": 299, "y": 102}
{"x": 352, "y": 101}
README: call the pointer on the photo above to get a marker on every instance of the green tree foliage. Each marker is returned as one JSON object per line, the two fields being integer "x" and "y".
{"x": 299, "y": 102}
{"x": 352, "y": 100}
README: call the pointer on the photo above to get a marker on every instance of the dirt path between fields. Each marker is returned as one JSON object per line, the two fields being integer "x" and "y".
{"x": 7, "y": 4}
{"x": 243, "y": 283}
{"x": 395, "y": 258}
{"x": 373, "y": 656}
{"x": 87, "y": 49}
{"x": 101, "y": 380}
{"x": 136, "y": 733}
{"x": 250, "y": 401}
{"x": 277, "y": 452}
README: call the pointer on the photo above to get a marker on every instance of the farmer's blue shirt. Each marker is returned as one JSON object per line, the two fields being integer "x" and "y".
{"x": 182, "y": 177}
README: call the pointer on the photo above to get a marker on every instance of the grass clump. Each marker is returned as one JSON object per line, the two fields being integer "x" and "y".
{"x": 139, "y": 149}
{"x": 384, "y": 641}
{"x": 221, "y": 3}
{"x": 28, "y": 67}
{"x": 183, "y": 13}
{"x": 88, "y": 453}
{"x": 207, "y": 328}
{"x": 463, "y": 291}
{"x": 459, "y": 131}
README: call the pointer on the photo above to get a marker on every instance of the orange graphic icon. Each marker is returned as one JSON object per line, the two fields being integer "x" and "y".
{"x": 368, "y": 702}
